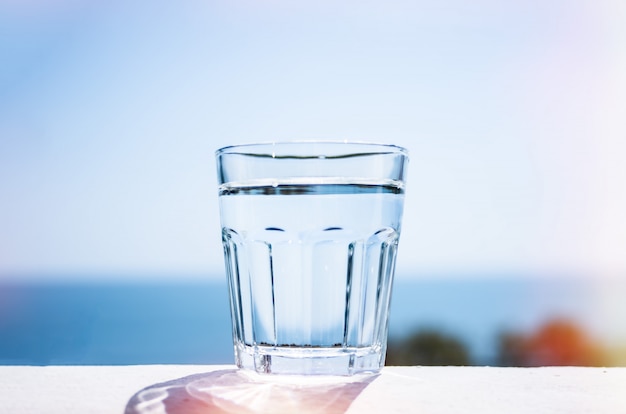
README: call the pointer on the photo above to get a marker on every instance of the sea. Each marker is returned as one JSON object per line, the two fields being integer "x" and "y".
{"x": 181, "y": 320}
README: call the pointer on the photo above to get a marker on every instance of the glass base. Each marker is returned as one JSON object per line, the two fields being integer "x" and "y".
{"x": 309, "y": 360}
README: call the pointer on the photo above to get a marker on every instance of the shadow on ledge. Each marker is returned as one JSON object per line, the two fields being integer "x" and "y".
{"x": 231, "y": 391}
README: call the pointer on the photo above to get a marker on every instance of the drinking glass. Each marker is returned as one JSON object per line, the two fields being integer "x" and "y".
{"x": 310, "y": 231}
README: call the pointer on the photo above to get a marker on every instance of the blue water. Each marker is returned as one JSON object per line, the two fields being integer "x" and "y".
{"x": 188, "y": 322}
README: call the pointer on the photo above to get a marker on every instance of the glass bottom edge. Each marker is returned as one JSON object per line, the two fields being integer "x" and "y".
{"x": 310, "y": 361}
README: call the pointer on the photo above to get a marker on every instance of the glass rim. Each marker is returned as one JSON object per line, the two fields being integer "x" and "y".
{"x": 368, "y": 148}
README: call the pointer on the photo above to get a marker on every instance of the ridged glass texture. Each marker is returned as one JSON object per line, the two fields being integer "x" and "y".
{"x": 310, "y": 269}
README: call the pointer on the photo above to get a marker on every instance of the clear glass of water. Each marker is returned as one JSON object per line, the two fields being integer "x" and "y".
{"x": 310, "y": 233}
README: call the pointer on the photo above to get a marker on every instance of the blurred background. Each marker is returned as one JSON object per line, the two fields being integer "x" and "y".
{"x": 513, "y": 249}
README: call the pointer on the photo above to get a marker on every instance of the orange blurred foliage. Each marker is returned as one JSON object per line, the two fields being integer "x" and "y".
{"x": 556, "y": 343}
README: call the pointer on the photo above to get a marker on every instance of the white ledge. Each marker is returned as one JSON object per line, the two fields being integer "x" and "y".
{"x": 177, "y": 389}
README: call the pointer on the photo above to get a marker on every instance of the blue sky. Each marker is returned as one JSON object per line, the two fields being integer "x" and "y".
{"x": 110, "y": 113}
